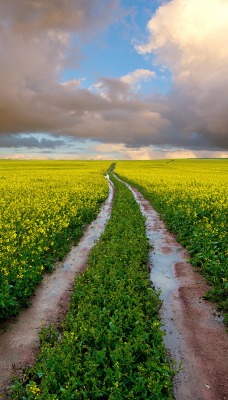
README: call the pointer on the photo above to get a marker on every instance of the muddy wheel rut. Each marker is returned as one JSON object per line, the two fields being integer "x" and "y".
{"x": 19, "y": 336}
{"x": 195, "y": 337}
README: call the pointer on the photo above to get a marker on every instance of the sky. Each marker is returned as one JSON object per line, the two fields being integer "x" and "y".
{"x": 113, "y": 79}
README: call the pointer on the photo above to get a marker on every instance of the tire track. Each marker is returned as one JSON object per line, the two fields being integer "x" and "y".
{"x": 19, "y": 336}
{"x": 195, "y": 337}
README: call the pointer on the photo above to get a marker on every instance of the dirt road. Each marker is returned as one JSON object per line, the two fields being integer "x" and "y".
{"x": 195, "y": 335}
{"x": 19, "y": 336}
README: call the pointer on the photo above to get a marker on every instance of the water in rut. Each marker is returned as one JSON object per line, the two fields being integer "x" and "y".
{"x": 195, "y": 338}
{"x": 19, "y": 336}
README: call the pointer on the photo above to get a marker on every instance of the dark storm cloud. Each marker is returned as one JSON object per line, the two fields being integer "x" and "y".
{"x": 35, "y": 38}
{"x": 29, "y": 142}
{"x": 31, "y": 17}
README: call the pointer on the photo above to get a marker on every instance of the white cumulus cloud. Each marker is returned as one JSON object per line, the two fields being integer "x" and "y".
{"x": 190, "y": 39}
{"x": 135, "y": 78}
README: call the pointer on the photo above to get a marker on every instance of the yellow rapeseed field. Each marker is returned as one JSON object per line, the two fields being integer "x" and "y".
{"x": 44, "y": 205}
{"x": 192, "y": 197}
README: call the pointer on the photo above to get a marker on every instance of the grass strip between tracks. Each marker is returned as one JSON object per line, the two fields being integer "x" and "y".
{"x": 110, "y": 345}
{"x": 191, "y": 197}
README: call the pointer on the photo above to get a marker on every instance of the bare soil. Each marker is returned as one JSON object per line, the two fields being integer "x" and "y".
{"x": 195, "y": 334}
{"x": 19, "y": 336}
{"x": 196, "y": 338}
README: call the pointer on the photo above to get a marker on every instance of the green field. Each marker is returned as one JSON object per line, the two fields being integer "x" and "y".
{"x": 110, "y": 344}
{"x": 44, "y": 206}
{"x": 192, "y": 197}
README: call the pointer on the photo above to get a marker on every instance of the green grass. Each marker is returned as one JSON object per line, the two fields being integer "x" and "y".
{"x": 110, "y": 345}
{"x": 44, "y": 208}
{"x": 192, "y": 197}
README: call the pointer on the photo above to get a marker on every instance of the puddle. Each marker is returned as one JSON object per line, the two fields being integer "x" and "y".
{"x": 195, "y": 337}
{"x": 19, "y": 340}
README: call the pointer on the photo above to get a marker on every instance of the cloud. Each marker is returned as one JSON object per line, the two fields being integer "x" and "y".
{"x": 36, "y": 38}
{"x": 29, "y": 141}
{"x": 122, "y": 87}
{"x": 38, "y": 16}
{"x": 113, "y": 150}
{"x": 71, "y": 85}
{"x": 111, "y": 89}
{"x": 143, "y": 153}
{"x": 186, "y": 37}
{"x": 190, "y": 39}
{"x": 24, "y": 156}
{"x": 134, "y": 78}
